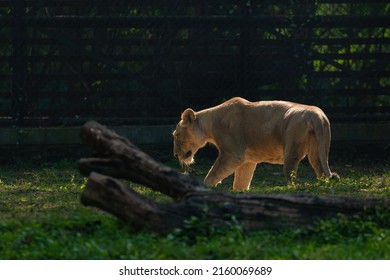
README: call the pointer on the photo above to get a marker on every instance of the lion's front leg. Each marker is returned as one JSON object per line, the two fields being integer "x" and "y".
{"x": 243, "y": 176}
{"x": 224, "y": 166}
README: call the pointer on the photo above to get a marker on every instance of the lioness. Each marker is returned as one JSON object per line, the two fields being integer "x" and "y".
{"x": 247, "y": 133}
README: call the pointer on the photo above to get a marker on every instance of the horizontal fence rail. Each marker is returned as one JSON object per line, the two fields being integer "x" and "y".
{"x": 143, "y": 62}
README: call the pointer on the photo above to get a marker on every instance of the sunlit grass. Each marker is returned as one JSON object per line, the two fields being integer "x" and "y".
{"x": 41, "y": 217}
{"x": 355, "y": 180}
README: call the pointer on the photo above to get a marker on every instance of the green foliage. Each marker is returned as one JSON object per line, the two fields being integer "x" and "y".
{"x": 41, "y": 218}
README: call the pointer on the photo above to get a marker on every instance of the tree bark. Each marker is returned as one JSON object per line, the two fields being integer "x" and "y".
{"x": 118, "y": 158}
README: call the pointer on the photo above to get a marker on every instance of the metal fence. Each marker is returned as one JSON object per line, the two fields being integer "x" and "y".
{"x": 63, "y": 62}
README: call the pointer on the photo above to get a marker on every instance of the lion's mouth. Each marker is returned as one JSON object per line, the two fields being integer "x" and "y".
{"x": 187, "y": 158}
{"x": 187, "y": 154}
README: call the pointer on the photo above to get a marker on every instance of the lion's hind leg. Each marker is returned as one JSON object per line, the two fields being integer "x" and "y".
{"x": 293, "y": 154}
{"x": 314, "y": 158}
{"x": 315, "y": 162}
{"x": 243, "y": 176}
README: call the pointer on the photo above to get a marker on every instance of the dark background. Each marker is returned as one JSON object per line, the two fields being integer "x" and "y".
{"x": 120, "y": 62}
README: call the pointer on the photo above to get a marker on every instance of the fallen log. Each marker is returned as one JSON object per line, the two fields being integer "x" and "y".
{"x": 118, "y": 159}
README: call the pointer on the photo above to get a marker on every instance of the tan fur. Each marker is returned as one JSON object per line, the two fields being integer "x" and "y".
{"x": 247, "y": 133}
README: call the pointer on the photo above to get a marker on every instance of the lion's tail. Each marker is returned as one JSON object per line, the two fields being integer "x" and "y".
{"x": 322, "y": 133}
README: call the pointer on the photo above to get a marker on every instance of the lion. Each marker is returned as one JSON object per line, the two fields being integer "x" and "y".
{"x": 248, "y": 133}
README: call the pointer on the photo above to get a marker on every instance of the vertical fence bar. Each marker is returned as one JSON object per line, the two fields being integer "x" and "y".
{"x": 18, "y": 62}
{"x": 244, "y": 48}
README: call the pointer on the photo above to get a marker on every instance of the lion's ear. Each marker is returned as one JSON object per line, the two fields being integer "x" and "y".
{"x": 188, "y": 116}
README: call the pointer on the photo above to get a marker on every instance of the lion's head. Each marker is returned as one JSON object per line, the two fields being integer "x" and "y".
{"x": 187, "y": 138}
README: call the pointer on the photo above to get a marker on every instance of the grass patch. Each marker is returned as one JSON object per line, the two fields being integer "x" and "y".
{"x": 41, "y": 218}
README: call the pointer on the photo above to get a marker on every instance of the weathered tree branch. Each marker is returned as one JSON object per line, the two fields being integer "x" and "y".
{"x": 122, "y": 159}
{"x": 191, "y": 198}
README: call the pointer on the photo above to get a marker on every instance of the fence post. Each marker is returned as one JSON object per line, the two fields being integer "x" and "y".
{"x": 244, "y": 48}
{"x": 18, "y": 61}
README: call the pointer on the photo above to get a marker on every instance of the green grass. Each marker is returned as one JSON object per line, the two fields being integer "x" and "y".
{"x": 41, "y": 218}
